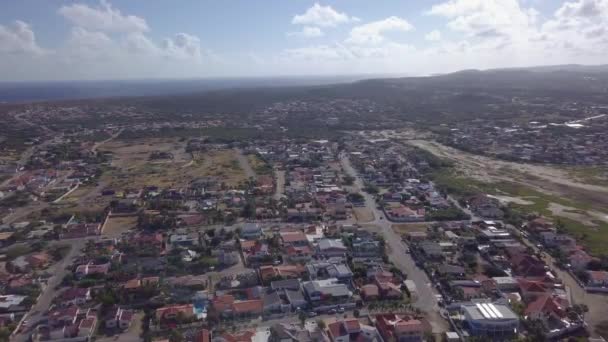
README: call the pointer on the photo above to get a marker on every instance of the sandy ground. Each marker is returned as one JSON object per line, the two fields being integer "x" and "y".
{"x": 117, "y": 225}
{"x": 132, "y": 167}
{"x": 585, "y": 217}
{"x": 363, "y": 215}
{"x": 509, "y": 199}
{"x": 403, "y": 228}
{"x": 543, "y": 178}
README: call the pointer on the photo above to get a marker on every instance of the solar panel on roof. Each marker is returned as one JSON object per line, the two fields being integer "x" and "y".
{"x": 483, "y": 311}
{"x": 495, "y": 310}
{"x": 490, "y": 312}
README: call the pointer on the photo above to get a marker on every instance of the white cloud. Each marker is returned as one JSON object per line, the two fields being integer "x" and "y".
{"x": 324, "y": 16}
{"x": 584, "y": 8}
{"x": 182, "y": 46}
{"x": 307, "y": 32}
{"x": 18, "y": 39}
{"x": 433, "y": 36}
{"x": 487, "y": 19}
{"x": 102, "y": 18}
{"x": 372, "y": 33}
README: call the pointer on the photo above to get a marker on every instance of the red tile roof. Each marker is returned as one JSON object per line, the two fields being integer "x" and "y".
{"x": 248, "y": 306}
{"x": 547, "y": 305}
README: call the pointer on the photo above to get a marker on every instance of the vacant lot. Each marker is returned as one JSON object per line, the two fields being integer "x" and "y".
{"x": 404, "y": 228}
{"x": 259, "y": 166}
{"x": 132, "y": 166}
{"x": 578, "y": 214}
{"x": 363, "y": 214}
{"x": 117, "y": 225}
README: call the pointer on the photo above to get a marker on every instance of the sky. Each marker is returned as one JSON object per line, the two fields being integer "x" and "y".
{"x": 148, "y": 39}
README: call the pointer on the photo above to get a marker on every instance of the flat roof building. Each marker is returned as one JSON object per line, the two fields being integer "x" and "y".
{"x": 489, "y": 319}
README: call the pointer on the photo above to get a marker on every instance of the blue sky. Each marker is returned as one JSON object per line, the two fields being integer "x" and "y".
{"x": 126, "y": 39}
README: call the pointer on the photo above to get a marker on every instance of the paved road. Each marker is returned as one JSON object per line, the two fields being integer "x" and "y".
{"x": 427, "y": 302}
{"x": 596, "y": 302}
{"x": 43, "y": 304}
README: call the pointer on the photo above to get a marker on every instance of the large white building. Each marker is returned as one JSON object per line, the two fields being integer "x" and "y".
{"x": 490, "y": 319}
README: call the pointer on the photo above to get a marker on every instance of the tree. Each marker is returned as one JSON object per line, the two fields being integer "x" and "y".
{"x": 321, "y": 324}
{"x": 176, "y": 336}
{"x": 302, "y": 318}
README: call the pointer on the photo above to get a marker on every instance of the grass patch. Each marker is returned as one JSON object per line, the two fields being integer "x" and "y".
{"x": 595, "y": 239}
{"x": 590, "y": 175}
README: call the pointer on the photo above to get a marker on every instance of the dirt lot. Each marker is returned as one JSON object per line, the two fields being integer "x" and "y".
{"x": 541, "y": 177}
{"x": 133, "y": 168}
{"x": 403, "y": 228}
{"x": 117, "y": 225}
{"x": 363, "y": 214}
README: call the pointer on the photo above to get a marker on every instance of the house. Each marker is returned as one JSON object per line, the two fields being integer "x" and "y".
{"x": 33, "y": 261}
{"x": 387, "y": 285}
{"x": 490, "y": 320}
{"x": 80, "y": 230}
{"x": 326, "y": 269}
{"x": 506, "y": 283}
{"x": 118, "y": 318}
{"x": 251, "y": 231}
{"x": 87, "y": 327}
{"x": 75, "y": 296}
{"x": 284, "y": 332}
{"x": 172, "y": 312}
{"x": 293, "y": 239}
{"x": 526, "y": 265}
{"x": 366, "y": 247}
{"x": 268, "y": 272}
{"x": 184, "y": 240}
{"x": 255, "y": 252}
{"x": 454, "y": 271}
{"x": 370, "y": 292}
{"x": 63, "y": 316}
{"x": 597, "y": 278}
{"x": 348, "y": 330}
{"x": 299, "y": 254}
{"x": 226, "y": 258}
{"x": 564, "y": 242}
{"x": 579, "y": 260}
{"x": 10, "y": 302}
{"x": 227, "y": 305}
{"x": 531, "y": 289}
{"x": 296, "y": 299}
{"x": 545, "y": 307}
{"x": 90, "y": 269}
{"x": 275, "y": 303}
{"x": 399, "y": 328}
{"x": 286, "y": 284}
{"x": 331, "y": 248}
{"x": 248, "y": 307}
{"x": 323, "y": 290}
{"x": 431, "y": 250}
{"x": 539, "y": 225}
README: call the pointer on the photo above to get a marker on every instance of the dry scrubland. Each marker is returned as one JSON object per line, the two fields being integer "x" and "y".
{"x": 133, "y": 168}
{"x": 551, "y": 191}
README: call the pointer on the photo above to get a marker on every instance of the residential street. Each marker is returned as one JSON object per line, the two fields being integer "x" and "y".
{"x": 427, "y": 301}
{"x": 43, "y": 304}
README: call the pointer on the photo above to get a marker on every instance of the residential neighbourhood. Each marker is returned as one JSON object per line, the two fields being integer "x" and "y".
{"x": 354, "y": 238}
